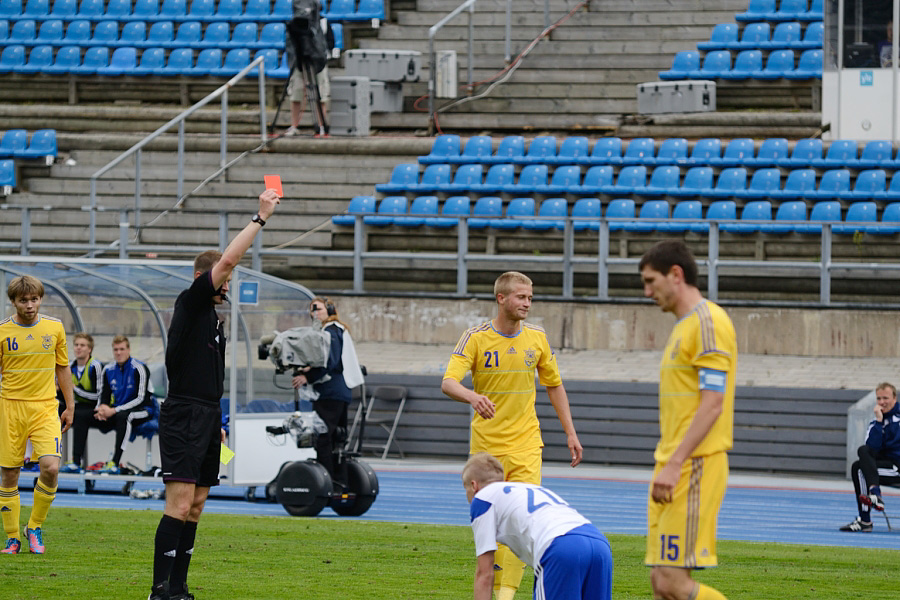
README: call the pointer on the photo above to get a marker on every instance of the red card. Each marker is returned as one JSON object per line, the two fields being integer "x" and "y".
{"x": 273, "y": 182}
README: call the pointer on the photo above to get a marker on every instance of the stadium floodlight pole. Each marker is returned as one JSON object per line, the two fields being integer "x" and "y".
{"x": 432, "y": 56}
{"x": 507, "y": 53}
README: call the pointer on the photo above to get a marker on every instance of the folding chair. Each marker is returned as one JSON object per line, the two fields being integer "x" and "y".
{"x": 379, "y": 413}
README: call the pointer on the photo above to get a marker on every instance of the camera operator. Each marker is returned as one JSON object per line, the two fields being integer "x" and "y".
{"x": 334, "y": 393}
{"x": 310, "y": 43}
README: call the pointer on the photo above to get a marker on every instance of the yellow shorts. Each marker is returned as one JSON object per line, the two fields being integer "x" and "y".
{"x": 522, "y": 466}
{"x": 682, "y": 533}
{"x": 21, "y": 420}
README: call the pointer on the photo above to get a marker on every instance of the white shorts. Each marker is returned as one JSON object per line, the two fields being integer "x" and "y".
{"x": 297, "y": 91}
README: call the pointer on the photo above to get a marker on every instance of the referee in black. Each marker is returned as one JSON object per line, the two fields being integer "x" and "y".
{"x": 190, "y": 420}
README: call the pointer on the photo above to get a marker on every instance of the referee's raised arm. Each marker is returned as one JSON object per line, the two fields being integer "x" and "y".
{"x": 242, "y": 241}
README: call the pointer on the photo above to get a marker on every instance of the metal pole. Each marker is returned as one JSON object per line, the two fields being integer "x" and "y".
{"x": 825, "y": 273}
{"x": 546, "y": 14}
{"x": 123, "y": 234}
{"x": 471, "y": 44}
{"x": 712, "y": 284}
{"x": 26, "y": 231}
{"x": 895, "y": 78}
{"x": 256, "y": 260}
{"x": 432, "y": 80}
{"x": 357, "y": 253}
{"x": 223, "y": 231}
{"x": 92, "y": 234}
{"x": 602, "y": 255}
{"x": 137, "y": 191}
{"x": 180, "y": 189}
{"x": 223, "y": 134}
{"x": 507, "y": 54}
{"x": 568, "y": 283}
{"x": 262, "y": 103}
{"x": 462, "y": 248}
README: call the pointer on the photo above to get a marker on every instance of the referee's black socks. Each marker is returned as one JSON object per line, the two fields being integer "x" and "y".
{"x": 168, "y": 537}
{"x": 178, "y": 577}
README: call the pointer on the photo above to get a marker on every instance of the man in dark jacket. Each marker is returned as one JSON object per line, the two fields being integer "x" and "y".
{"x": 879, "y": 458}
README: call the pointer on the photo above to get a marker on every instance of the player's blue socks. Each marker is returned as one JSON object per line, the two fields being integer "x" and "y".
{"x": 875, "y": 489}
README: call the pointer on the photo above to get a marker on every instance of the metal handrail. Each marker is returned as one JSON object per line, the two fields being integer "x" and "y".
{"x": 179, "y": 120}
{"x": 432, "y": 55}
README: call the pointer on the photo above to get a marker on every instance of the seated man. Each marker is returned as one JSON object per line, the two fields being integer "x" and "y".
{"x": 570, "y": 557}
{"x": 86, "y": 377}
{"x": 879, "y": 458}
{"x": 125, "y": 399}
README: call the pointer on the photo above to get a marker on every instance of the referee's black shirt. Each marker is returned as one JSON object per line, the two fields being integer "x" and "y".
{"x": 195, "y": 356}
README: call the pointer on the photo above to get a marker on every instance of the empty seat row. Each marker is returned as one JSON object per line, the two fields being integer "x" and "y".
{"x": 16, "y": 143}
{"x": 140, "y": 34}
{"x": 786, "y": 10}
{"x": 732, "y": 182}
{"x": 755, "y": 36}
{"x": 96, "y": 60}
{"x": 577, "y": 150}
{"x": 749, "y": 64}
{"x": 654, "y": 215}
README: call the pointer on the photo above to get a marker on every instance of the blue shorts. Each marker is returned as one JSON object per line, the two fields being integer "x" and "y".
{"x": 576, "y": 566}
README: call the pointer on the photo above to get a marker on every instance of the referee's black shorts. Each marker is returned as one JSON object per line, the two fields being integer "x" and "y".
{"x": 190, "y": 442}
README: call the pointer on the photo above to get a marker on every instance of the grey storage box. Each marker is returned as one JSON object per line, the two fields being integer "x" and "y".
{"x": 676, "y": 96}
{"x": 383, "y": 65}
{"x": 350, "y": 106}
{"x": 385, "y": 96}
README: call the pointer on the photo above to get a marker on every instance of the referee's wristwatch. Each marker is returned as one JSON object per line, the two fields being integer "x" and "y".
{"x": 258, "y": 219}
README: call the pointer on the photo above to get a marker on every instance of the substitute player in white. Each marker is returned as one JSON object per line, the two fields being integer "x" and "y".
{"x": 570, "y": 557}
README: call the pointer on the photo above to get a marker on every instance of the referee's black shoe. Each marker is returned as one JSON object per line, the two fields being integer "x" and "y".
{"x": 160, "y": 591}
{"x": 184, "y": 595}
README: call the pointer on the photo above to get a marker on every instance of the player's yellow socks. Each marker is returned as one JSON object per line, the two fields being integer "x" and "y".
{"x": 43, "y": 498}
{"x": 9, "y": 510}
{"x": 707, "y": 593}
{"x": 509, "y": 576}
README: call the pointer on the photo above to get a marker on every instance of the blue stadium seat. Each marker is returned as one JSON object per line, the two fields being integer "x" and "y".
{"x": 586, "y": 214}
{"x": 271, "y": 36}
{"x": 13, "y": 143}
{"x": 863, "y": 215}
{"x": 179, "y": 62}
{"x": 443, "y": 148}
{"x": 539, "y": 150}
{"x": 840, "y": 153}
{"x": 283, "y": 71}
{"x": 188, "y": 35}
{"x": 737, "y": 151}
{"x": 639, "y": 151}
{"x": 257, "y": 11}
{"x": 486, "y": 208}
{"x": 22, "y": 32}
{"x": 243, "y": 36}
{"x": 270, "y": 61}
{"x": 771, "y": 151}
{"x": 892, "y": 193}
{"x": 758, "y": 10}
{"x": 7, "y": 176}
{"x": 617, "y": 210}
{"x": 402, "y": 177}
{"x": 564, "y": 179}
{"x": 358, "y": 205}
{"x": 663, "y": 181}
{"x": 815, "y": 12}
{"x": 809, "y": 65}
{"x": 339, "y": 10}
{"x": 123, "y": 62}
{"x": 730, "y": 183}
{"x": 789, "y": 10}
{"x": 173, "y": 10}
{"x": 754, "y": 36}
{"x": 145, "y": 9}
{"x": 755, "y": 210}
{"x": 605, "y": 149}
{"x": 51, "y": 32}
{"x": 226, "y": 10}
{"x": 718, "y": 211}
{"x": 704, "y": 150}
{"x": 684, "y": 210}
{"x": 388, "y": 208}
{"x": 4, "y": 30}
{"x": 805, "y": 152}
{"x": 551, "y": 215}
{"x": 235, "y": 60}
{"x": 723, "y": 36}
{"x": 785, "y": 35}
{"x": 36, "y": 9}
{"x": 95, "y": 57}
{"x": 813, "y": 37}
{"x": 201, "y": 10}
{"x": 369, "y": 9}
{"x": 671, "y": 151}
{"x": 779, "y": 64}
{"x": 208, "y": 61}
{"x": 763, "y": 182}
{"x": 510, "y": 150}
{"x": 463, "y": 179}
{"x": 746, "y": 65}
{"x": 651, "y": 209}
{"x": 39, "y": 58}
{"x": 477, "y": 149}
{"x": 117, "y": 10}
{"x": 90, "y": 9}
{"x": 433, "y": 177}
{"x": 596, "y": 179}
{"x": 791, "y": 210}
{"x": 454, "y": 206}
{"x": 890, "y": 220}
{"x": 530, "y": 179}
{"x": 876, "y": 154}
{"x": 497, "y": 178}
{"x": 800, "y": 183}
{"x": 153, "y": 61}
{"x": 216, "y": 35}
{"x": 683, "y": 64}
{"x": 828, "y": 211}
{"x": 573, "y": 150}
{"x": 65, "y": 60}
{"x": 134, "y": 34}
{"x": 630, "y": 180}
{"x": 78, "y": 33}
{"x": 698, "y": 181}
{"x": 517, "y": 210}
{"x": 869, "y": 184}
{"x": 12, "y": 58}
{"x": 282, "y": 11}
{"x": 834, "y": 183}
{"x": 10, "y": 8}
{"x": 338, "y": 30}
{"x": 64, "y": 9}
{"x": 715, "y": 64}
{"x": 106, "y": 33}
{"x": 421, "y": 208}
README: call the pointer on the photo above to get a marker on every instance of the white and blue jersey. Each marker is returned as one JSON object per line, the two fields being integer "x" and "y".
{"x": 570, "y": 557}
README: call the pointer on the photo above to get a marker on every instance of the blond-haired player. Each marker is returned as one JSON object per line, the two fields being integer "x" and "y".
{"x": 33, "y": 356}
{"x": 503, "y": 355}
{"x": 696, "y": 419}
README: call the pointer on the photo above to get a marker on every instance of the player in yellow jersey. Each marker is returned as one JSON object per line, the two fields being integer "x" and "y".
{"x": 32, "y": 357}
{"x": 503, "y": 355}
{"x": 696, "y": 418}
